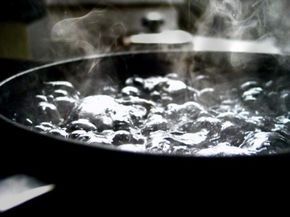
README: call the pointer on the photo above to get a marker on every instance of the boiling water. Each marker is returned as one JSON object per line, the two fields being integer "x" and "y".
{"x": 246, "y": 116}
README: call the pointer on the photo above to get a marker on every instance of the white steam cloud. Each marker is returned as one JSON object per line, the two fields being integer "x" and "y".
{"x": 92, "y": 33}
{"x": 98, "y": 32}
{"x": 245, "y": 19}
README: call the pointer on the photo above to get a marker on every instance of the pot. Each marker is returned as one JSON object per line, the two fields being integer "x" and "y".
{"x": 78, "y": 166}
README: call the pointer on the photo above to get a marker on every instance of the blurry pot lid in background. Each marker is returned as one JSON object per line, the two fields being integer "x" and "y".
{"x": 177, "y": 38}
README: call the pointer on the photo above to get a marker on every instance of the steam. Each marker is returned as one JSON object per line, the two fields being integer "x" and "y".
{"x": 261, "y": 20}
{"x": 225, "y": 18}
{"x": 92, "y": 33}
{"x": 248, "y": 20}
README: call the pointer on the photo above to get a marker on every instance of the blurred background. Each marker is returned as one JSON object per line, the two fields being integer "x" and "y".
{"x": 50, "y": 30}
{"x": 43, "y": 30}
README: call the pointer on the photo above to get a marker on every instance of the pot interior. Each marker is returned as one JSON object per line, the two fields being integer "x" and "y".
{"x": 91, "y": 75}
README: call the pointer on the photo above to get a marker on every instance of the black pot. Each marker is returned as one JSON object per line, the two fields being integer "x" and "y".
{"x": 77, "y": 166}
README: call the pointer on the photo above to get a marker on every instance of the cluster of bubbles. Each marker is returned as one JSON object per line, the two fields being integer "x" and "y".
{"x": 165, "y": 114}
